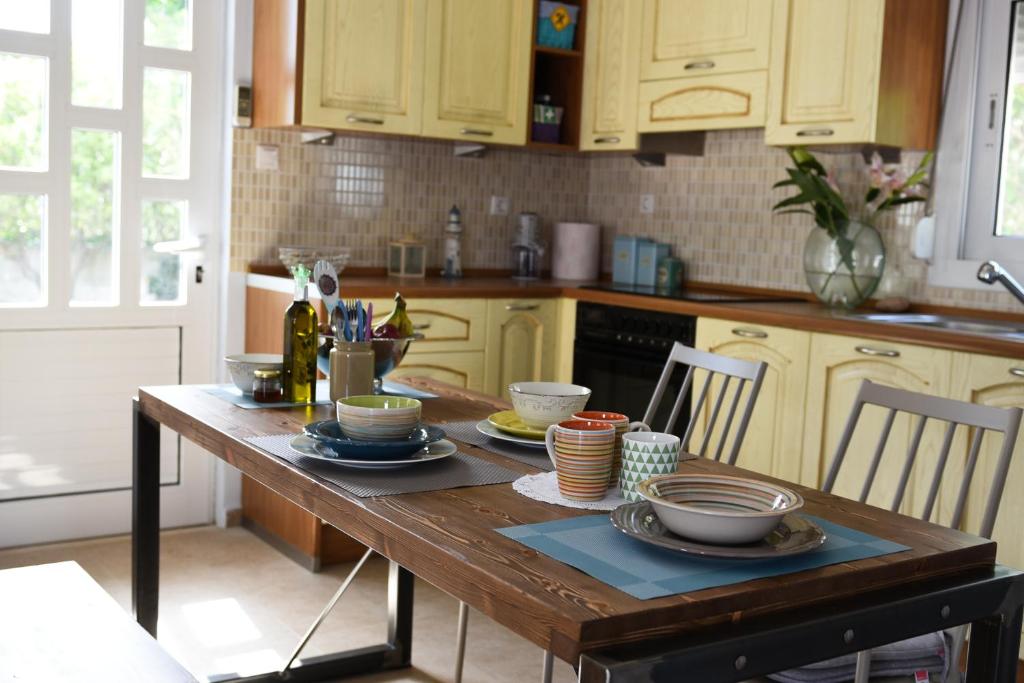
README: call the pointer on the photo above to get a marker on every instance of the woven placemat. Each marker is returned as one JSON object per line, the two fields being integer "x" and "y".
{"x": 467, "y": 433}
{"x": 453, "y": 472}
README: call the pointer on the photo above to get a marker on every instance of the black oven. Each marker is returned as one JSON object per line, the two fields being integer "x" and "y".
{"x": 620, "y": 352}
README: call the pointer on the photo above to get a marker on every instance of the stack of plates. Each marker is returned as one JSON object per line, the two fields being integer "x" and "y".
{"x": 507, "y": 426}
{"x": 324, "y": 441}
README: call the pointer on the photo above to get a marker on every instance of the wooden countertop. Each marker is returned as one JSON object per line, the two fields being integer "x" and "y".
{"x": 803, "y": 315}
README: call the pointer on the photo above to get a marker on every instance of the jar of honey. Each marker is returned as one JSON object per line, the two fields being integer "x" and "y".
{"x": 266, "y": 386}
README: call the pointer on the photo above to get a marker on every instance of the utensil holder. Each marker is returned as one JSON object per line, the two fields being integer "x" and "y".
{"x": 351, "y": 369}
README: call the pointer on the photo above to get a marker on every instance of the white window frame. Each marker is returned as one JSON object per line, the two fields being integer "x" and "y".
{"x": 969, "y": 161}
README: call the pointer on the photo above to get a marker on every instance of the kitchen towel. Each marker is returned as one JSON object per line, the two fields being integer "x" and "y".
{"x": 592, "y": 545}
{"x": 454, "y": 472}
{"x": 466, "y": 432}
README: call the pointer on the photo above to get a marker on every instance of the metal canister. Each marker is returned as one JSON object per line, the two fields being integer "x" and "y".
{"x": 351, "y": 369}
{"x": 670, "y": 274}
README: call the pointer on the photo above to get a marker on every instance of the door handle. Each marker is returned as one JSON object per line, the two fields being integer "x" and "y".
{"x": 355, "y": 118}
{"x": 1017, "y": 372}
{"x": 870, "y": 351}
{"x": 815, "y": 132}
{"x": 477, "y": 131}
{"x": 702, "y": 64}
{"x": 521, "y": 307}
{"x": 749, "y": 334}
{"x": 421, "y": 326}
{"x": 610, "y": 140}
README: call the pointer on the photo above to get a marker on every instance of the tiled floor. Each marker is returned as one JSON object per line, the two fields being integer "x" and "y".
{"x": 229, "y": 602}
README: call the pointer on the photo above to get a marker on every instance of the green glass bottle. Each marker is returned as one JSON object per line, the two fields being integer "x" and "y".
{"x": 300, "y": 341}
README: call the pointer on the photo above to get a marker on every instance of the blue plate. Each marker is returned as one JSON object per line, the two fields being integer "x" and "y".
{"x": 328, "y": 433}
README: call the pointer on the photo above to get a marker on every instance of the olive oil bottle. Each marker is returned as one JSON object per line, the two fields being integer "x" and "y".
{"x": 300, "y": 342}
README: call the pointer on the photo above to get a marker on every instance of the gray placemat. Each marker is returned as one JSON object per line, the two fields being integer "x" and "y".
{"x": 467, "y": 433}
{"x": 452, "y": 472}
{"x": 231, "y": 394}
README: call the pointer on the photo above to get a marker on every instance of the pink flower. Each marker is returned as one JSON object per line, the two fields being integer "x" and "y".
{"x": 876, "y": 172}
{"x": 831, "y": 180}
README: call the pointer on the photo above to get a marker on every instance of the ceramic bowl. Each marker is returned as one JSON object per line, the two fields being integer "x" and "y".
{"x": 378, "y": 418}
{"x": 717, "y": 508}
{"x": 542, "y": 404}
{"x": 241, "y": 367}
{"x": 328, "y": 433}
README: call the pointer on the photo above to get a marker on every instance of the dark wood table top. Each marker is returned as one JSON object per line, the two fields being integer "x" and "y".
{"x": 447, "y": 537}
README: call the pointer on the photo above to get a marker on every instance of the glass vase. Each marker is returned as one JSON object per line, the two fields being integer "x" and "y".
{"x": 844, "y": 270}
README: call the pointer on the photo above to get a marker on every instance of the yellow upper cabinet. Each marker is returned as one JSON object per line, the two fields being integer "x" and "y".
{"x": 363, "y": 65}
{"x": 856, "y": 71}
{"x": 701, "y": 37}
{"x": 611, "y": 72}
{"x": 476, "y": 81}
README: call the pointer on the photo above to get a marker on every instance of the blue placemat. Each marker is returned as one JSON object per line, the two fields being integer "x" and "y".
{"x": 593, "y": 545}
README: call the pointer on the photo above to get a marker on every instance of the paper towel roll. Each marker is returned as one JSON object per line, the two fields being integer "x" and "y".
{"x": 576, "y": 253}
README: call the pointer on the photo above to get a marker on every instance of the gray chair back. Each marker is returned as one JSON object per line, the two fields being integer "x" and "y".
{"x": 954, "y": 413}
{"x": 730, "y": 369}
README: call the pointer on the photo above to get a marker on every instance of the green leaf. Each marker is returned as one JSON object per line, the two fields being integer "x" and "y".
{"x": 791, "y": 201}
{"x": 806, "y": 211}
{"x": 783, "y": 183}
{"x": 872, "y": 195}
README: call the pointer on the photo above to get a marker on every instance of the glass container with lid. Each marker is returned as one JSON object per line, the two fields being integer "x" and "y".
{"x": 266, "y": 386}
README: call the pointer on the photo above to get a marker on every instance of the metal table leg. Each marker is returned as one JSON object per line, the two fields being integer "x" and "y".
{"x": 145, "y": 518}
{"x": 992, "y": 652}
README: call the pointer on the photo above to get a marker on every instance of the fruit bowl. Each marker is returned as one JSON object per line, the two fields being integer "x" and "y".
{"x": 387, "y": 354}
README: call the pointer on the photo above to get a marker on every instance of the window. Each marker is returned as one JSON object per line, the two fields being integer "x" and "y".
{"x": 994, "y": 215}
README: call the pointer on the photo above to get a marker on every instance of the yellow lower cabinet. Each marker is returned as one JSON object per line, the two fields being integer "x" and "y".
{"x": 464, "y": 370}
{"x": 446, "y": 324}
{"x": 775, "y": 433}
{"x": 521, "y": 342}
{"x": 838, "y": 365}
{"x": 990, "y": 381}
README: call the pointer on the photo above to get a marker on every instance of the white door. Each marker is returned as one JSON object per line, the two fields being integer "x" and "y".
{"x": 111, "y": 144}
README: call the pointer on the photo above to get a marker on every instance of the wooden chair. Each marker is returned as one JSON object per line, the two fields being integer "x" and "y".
{"x": 954, "y": 413}
{"x": 729, "y": 369}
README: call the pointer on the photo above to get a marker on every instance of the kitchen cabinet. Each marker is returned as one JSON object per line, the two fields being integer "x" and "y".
{"x": 703, "y": 103}
{"x": 992, "y": 381}
{"x": 776, "y": 429}
{"x": 856, "y": 71}
{"x": 521, "y": 342}
{"x": 445, "y": 324}
{"x": 838, "y": 365}
{"x": 611, "y": 73}
{"x": 698, "y": 38}
{"x": 477, "y": 70}
{"x": 362, "y": 65}
{"x": 464, "y": 370}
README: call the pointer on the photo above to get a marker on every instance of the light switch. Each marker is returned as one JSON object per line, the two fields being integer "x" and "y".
{"x": 499, "y": 206}
{"x": 267, "y": 158}
{"x": 647, "y": 203}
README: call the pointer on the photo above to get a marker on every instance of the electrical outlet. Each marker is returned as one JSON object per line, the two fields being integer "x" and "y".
{"x": 499, "y": 206}
{"x": 267, "y": 158}
{"x": 647, "y": 203}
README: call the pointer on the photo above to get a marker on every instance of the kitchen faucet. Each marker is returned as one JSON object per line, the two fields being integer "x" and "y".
{"x": 991, "y": 272}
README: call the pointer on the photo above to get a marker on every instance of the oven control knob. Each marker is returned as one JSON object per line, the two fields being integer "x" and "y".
{"x": 618, "y": 337}
{"x": 629, "y": 339}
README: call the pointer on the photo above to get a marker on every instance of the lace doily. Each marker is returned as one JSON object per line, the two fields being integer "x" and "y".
{"x": 544, "y": 487}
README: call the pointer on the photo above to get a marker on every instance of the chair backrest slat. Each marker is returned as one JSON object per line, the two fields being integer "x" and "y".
{"x": 728, "y": 419}
{"x": 981, "y": 418}
{"x": 714, "y": 364}
{"x": 940, "y": 468}
{"x": 883, "y": 439}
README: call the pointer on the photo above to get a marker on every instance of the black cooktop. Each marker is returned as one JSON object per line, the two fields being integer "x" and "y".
{"x": 688, "y": 295}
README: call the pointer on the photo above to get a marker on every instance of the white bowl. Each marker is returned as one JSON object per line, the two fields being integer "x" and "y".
{"x": 241, "y": 367}
{"x": 542, "y": 404}
{"x": 716, "y": 508}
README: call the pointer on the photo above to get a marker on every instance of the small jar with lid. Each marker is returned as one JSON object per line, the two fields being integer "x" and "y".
{"x": 266, "y": 386}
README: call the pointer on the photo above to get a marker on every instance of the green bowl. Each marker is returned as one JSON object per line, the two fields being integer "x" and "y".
{"x": 372, "y": 402}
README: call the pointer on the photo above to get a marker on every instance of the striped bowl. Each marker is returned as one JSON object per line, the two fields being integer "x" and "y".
{"x": 717, "y": 508}
{"x": 378, "y": 418}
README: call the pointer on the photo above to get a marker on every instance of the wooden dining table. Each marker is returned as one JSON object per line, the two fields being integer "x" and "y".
{"x": 449, "y": 539}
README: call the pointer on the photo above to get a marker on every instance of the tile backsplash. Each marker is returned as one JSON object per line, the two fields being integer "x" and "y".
{"x": 715, "y": 210}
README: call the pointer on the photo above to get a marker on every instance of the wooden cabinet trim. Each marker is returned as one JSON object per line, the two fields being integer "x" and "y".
{"x": 745, "y": 97}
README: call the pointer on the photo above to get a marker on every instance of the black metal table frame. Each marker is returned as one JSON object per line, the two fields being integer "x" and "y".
{"x": 394, "y": 654}
{"x": 991, "y": 600}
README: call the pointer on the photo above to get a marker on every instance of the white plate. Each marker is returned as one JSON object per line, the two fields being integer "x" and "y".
{"x": 487, "y": 429}
{"x": 437, "y": 450}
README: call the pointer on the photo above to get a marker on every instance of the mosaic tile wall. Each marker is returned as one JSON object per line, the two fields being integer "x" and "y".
{"x": 715, "y": 210}
{"x": 361, "y": 193}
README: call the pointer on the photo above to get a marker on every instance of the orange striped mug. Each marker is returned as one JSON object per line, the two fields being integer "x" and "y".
{"x": 621, "y": 424}
{"x": 582, "y": 451}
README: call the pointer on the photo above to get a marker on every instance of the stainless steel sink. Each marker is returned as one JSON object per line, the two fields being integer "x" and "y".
{"x": 942, "y": 322}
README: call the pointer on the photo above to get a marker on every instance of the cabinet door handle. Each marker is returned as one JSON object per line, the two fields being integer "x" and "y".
{"x": 477, "y": 131}
{"x": 749, "y": 334}
{"x": 421, "y": 326}
{"x": 1017, "y": 372}
{"x": 521, "y": 307}
{"x": 815, "y": 132}
{"x": 355, "y": 118}
{"x": 703, "y": 64}
{"x": 869, "y": 351}
{"x": 610, "y": 140}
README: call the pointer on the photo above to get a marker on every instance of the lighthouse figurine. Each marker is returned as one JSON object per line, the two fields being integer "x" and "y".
{"x": 453, "y": 245}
